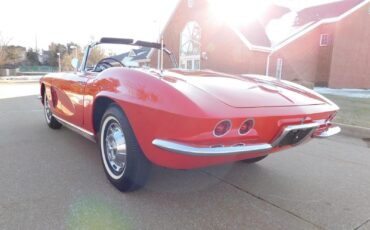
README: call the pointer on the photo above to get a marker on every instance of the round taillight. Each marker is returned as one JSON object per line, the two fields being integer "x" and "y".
{"x": 246, "y": 126}
{"x": 222, "y": 128}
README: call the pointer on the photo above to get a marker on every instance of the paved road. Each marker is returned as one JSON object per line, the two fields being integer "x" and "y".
{"x": 55, "y": 180}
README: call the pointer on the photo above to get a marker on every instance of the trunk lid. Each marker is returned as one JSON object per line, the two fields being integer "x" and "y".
{"x": 250, "y": 91}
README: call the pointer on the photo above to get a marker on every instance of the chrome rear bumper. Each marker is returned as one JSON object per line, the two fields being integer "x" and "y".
{"x": 190, "y": 150}
{"x": 208, "y": 151}
{"x": 330, "y": 132}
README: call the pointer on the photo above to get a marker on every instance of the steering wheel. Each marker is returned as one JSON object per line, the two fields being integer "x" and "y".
{"x": 104, "y": 64}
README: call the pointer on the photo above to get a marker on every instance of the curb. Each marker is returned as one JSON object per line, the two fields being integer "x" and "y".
{"x": 20, "y": 79}
{"x": 354, "y": 131}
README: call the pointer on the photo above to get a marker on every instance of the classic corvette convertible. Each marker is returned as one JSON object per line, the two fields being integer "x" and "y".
{"x": 176, "y": 118}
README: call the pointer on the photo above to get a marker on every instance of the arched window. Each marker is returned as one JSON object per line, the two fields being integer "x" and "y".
{"x": 190, "y": 46}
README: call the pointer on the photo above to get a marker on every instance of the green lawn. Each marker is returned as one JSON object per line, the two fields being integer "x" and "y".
{"x": 353, "y": 111}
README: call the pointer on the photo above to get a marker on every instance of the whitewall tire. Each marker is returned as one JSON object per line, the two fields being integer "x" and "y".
{"x": 49, "y": 118}
{"x": 124, "y": 162}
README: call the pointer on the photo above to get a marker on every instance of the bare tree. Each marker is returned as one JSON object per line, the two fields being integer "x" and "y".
{"x": 67, "y": 59}
{"x": 32, "y": 57}
{"x": 3, "y": 45}
{"x": 8, "y": 53}
{"x": 54, "y": 49}
{"x": 96, "y": 54}
{"x": 14, "y": 54}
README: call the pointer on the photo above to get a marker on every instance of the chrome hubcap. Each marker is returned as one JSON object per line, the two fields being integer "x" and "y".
{"x": 115, "y": 148}
{"x": 48, "y": 113}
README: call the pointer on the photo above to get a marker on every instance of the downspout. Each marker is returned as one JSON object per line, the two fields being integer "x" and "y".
{"x": 158, "y": 58}
{"x": 162, "y": 47}
{"x": 268, "y": 62}
{"x": 158, "y": 40}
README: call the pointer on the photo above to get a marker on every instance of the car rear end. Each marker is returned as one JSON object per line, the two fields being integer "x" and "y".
{"x": 224, "y": 118}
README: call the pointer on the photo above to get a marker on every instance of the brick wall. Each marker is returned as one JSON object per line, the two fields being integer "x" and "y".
{"x": 325, "y": 55}
{"x": 300, "y": 58}
{"x": 350, "y": 66}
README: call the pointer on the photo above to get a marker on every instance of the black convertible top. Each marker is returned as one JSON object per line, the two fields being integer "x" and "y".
{"x": 128, "y": 41}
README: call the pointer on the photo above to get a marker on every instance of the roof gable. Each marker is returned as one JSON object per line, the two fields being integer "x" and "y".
{"x": 325, "y": 11}
{"x": 262, "y": 35}
{"x": 135, "y": 54}
{"x": 255, "y": 31}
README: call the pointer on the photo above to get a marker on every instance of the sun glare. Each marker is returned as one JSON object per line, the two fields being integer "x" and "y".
{"x": 238, "y": 12}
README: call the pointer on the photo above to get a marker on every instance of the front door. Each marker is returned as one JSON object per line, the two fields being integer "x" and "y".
{"x": 69, "y": 91}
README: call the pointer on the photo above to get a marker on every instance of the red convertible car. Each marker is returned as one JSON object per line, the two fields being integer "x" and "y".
{"x": 175, "y": 118}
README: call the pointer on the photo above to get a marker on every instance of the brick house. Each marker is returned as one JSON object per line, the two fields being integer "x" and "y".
{"x": 327, "y": 44}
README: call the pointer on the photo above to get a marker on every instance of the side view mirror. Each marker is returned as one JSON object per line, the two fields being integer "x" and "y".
{"x": 75, "y": 63}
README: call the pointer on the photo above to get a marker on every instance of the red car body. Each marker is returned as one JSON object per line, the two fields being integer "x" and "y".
{"x": 182, "y": 107}
{"x": 174, "y": 113}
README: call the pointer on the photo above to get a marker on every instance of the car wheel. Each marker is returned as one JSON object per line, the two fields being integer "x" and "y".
{"x": 254, "y": 160}
{"x": 50, "y": 119}
{"x": 124, "y": 162}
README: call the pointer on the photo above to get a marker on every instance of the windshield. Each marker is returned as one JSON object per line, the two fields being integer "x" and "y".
{"x": 112, "y": 52}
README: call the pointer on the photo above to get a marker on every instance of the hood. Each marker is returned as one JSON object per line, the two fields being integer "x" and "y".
{"x": 250, "y": 91}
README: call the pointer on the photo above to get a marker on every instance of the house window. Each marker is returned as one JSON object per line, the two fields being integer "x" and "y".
{"x": 190, "y": 52}
{"x": 324, "y": 39}
{"x": 190, "y": 3}
{"x": 189, "y": 64}
{"x": 197, "y": 64}
{"x": 296, "y": 20}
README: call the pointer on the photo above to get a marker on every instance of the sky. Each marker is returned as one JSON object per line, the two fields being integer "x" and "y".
{"x": 63, "y": 21}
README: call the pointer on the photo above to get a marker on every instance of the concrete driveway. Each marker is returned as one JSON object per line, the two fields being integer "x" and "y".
{"x": 55, "y": 180}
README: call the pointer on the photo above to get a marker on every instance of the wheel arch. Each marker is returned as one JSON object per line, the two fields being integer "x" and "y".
{"x": 100, "y": 105}
{"x": 42, "y": 92}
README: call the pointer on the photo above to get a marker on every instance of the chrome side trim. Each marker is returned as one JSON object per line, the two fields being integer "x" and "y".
{"x": 286, "y": 130}
{"x": 330, "y": 132}
{"x": 77, "y": 129}
{"x": 206, "y": 151}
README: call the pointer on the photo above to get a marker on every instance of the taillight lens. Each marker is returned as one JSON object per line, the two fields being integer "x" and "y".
{"x": 246, "y": 126}
{"x": 222, "y": 128}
